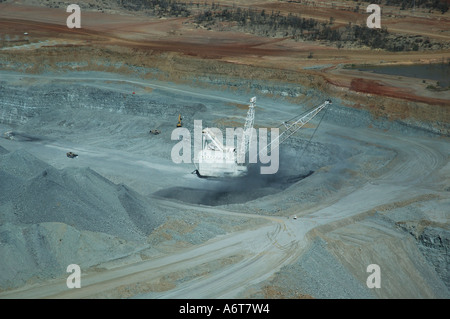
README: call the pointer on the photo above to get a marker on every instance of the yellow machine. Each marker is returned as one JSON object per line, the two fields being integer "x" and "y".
{"x": 179, "y": 121}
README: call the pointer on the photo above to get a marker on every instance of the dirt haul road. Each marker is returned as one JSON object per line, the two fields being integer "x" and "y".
{"x": 251, "y": 256}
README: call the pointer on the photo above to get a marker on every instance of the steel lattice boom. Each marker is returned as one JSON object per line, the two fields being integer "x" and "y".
{"x": 291, "y": 127}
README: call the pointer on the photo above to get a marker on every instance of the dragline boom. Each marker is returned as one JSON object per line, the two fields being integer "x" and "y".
{"x": 218, "y": 160}
{"x": 248, "y": 128}
{"x": 291, "y": 127}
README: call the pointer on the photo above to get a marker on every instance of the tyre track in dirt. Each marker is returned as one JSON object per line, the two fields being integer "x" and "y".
{"x": 267, "y": 248}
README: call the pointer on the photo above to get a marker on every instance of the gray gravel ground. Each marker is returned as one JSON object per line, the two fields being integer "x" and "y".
{"x": 318, "y": 273}
{"x": 111, "y": 202}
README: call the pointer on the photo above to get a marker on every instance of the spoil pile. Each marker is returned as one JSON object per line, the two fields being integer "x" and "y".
{"x": 50, "y": 218}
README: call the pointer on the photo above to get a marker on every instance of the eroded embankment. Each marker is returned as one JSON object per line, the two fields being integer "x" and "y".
{"x": 389, "y": 104}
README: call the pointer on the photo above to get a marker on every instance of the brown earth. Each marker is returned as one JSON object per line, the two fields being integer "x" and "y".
{"x": 374, "y": 87}
{"x": 182, "y": 50}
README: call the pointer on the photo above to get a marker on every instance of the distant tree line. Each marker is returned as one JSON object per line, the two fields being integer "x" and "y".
{"x": 159, "y": 7}
{"x": 275, "y": 24}
{"x": 441, "y": 5}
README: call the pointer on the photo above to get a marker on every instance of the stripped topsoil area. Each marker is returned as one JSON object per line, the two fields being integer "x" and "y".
{"x": 134, "y": 43}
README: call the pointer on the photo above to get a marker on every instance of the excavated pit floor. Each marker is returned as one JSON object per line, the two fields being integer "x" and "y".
{"x": 347, "y": 171}
{"x": 233, "y": 190}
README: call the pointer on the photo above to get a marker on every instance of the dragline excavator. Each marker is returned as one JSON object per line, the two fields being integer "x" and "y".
{"x": 217, "y": 160}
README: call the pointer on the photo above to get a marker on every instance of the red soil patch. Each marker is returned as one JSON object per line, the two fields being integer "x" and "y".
{"x": 375, "y": 87}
